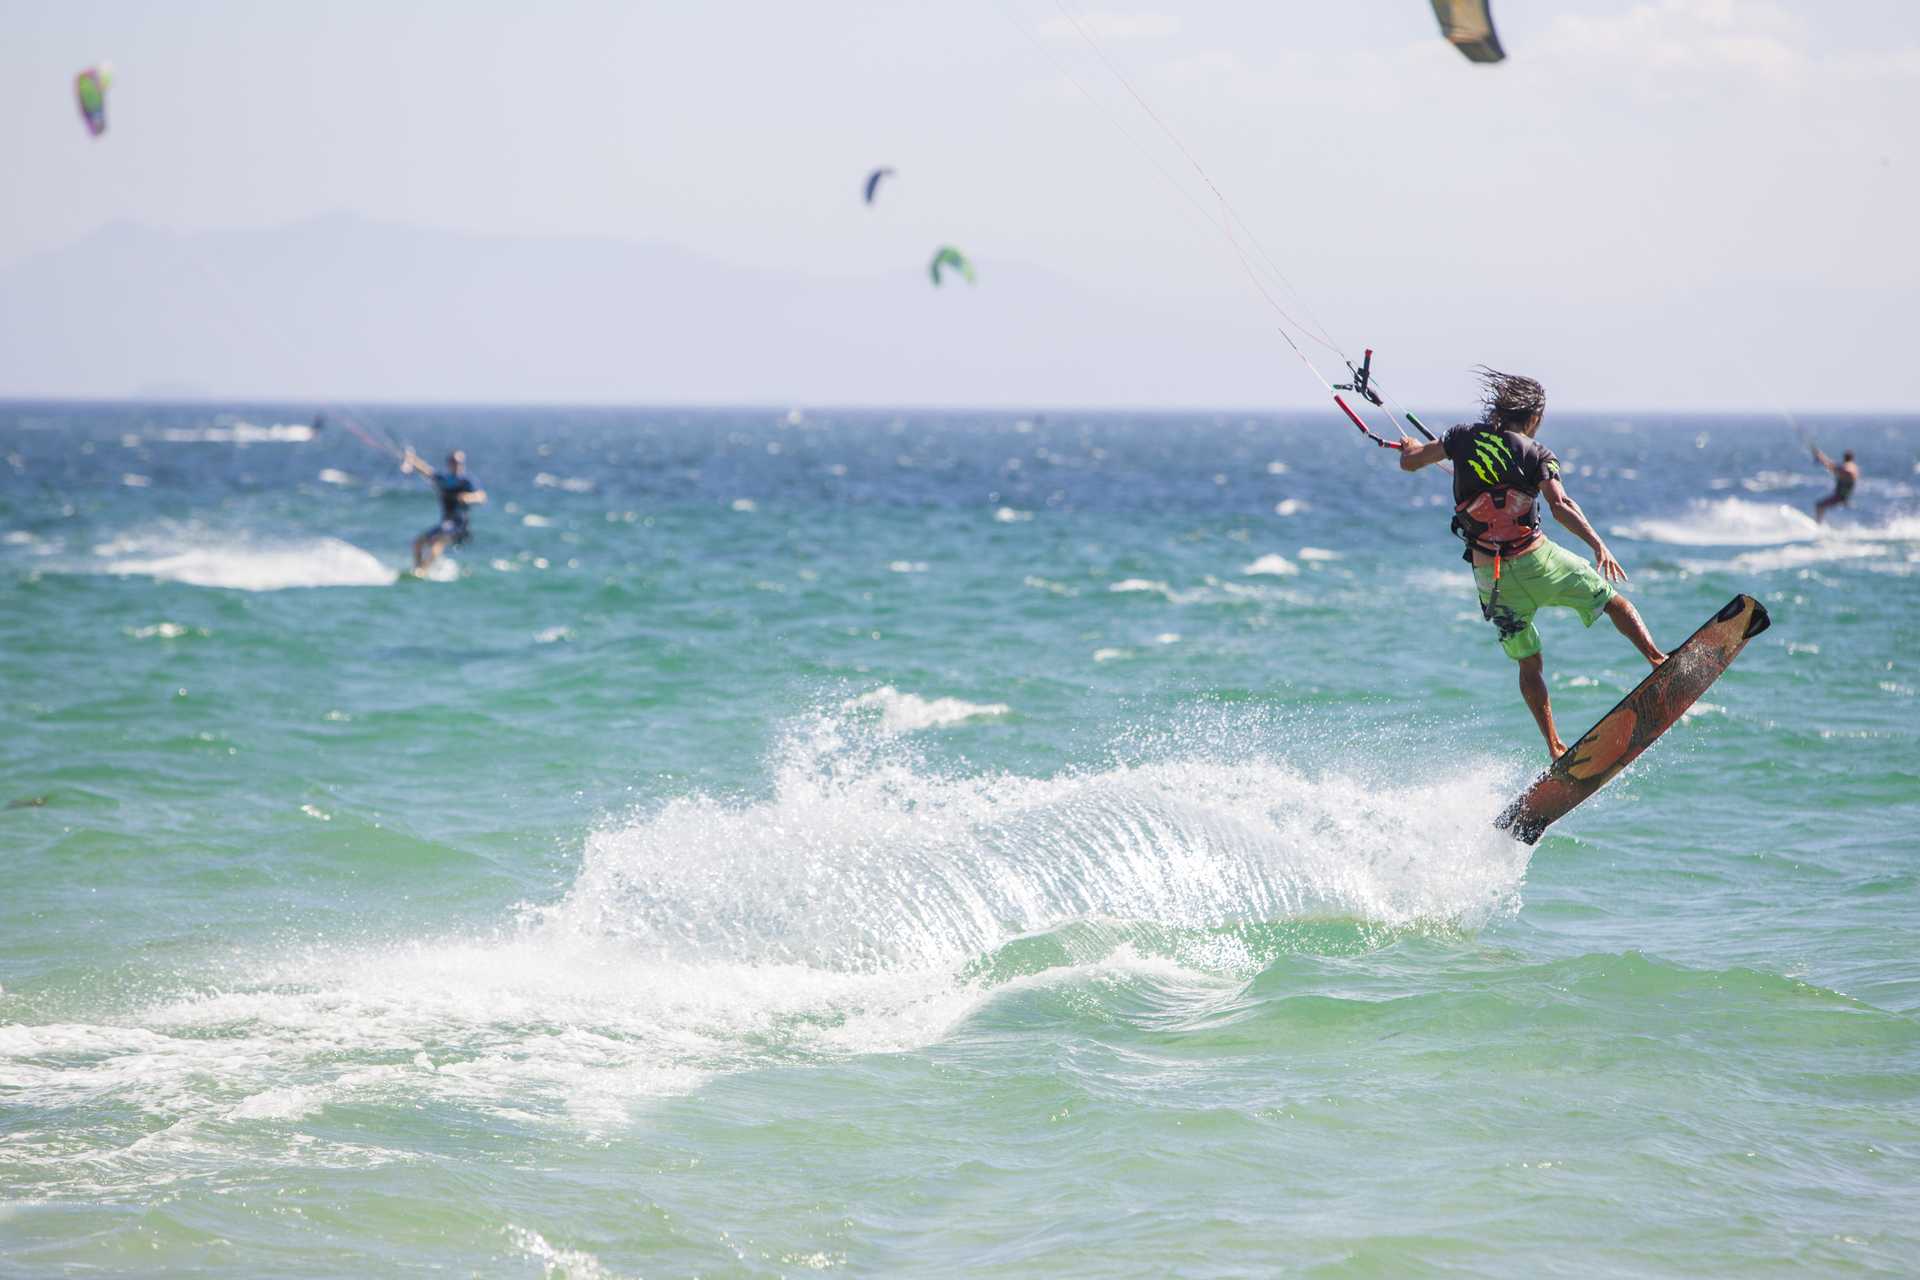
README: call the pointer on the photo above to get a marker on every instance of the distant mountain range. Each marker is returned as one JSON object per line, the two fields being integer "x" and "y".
{"x": 342, "y": 308}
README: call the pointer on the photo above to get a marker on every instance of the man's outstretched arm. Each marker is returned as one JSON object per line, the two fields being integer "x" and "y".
{"x": 1569, "y": 514}
{"x": 1415, "y": 456}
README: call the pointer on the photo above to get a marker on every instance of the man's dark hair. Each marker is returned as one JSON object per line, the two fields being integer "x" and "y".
{"x": 1848, "y": 457}
{"x": 1509, "y": 399}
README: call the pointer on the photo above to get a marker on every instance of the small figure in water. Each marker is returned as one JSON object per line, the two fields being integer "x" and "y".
{"x": 1846, "y": 474}
{"x": 457, "y": 492}
{"x": 1499, "y": 473}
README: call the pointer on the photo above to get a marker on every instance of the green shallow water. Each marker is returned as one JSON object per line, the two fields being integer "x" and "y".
{"x": 935, "y": 844}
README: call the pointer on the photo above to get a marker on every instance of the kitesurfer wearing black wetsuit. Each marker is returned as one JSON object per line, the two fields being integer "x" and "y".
{"x": 1846, "y": 474}
{"x": 457, "y": 492}
{"x": 1500, "y": 472}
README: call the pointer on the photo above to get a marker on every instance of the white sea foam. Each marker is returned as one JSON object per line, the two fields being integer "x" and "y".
{"x": 1772, "y": 481}
{"x": 1779, "y": 558}
{"x": 1444, "y": 581}
{"x": 556, "y": 1263}
{"x": 1320, "y": 554}
{"x": 1141, "y": 586}
{"x": 331, "y": 475}
{"x": 279, "y": 1104}
{"x": 1272, "y": 564}
{"x": 1290, "y": 506}
{"x": 164, "y": 631}
{"x": 909, "y": 712}
{"x": 247, "y": 566}
{"x": 240, "y": 433}
{"x": 541, "y": 1025}
{"x": 1011, "y": 515}
{"x": 1794, "y": 540}
{"x": 568, "y": 484}
{"x": 1727, "y": 522}
{"x": 846, "y": 911}
{"x": 861, "y": 861}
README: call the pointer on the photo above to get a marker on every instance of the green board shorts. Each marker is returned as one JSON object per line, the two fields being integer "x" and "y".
{"x": 1548, "y": 576}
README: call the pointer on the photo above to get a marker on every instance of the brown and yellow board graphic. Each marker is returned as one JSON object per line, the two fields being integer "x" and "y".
{"x": 1642, "y": 716}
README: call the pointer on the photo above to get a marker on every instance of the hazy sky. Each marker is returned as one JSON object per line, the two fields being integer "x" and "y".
{"x": 1716, "y": 197}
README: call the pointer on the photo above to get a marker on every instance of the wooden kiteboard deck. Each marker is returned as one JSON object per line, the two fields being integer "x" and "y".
{"x": 1640, "y": 718}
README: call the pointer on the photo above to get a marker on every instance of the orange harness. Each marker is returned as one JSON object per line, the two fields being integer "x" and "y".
{"x": 1498, "y": 520}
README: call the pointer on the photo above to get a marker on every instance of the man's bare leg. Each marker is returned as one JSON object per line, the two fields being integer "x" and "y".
{"x": 426, "y": 549}
{"x": 1533, "y": 687}
{"x": 1627, "y": 619}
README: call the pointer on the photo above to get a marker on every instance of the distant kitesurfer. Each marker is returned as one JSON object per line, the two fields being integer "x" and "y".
{"x": 1499, "y": 473}
{"x": 457, "y": 492}
{"x": 1846, "y": 474}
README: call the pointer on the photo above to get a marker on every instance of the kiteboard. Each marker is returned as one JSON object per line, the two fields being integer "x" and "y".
{"x": 1639, "y": 719}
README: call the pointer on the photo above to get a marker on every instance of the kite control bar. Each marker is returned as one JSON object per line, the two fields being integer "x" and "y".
{"x": 1362, "y": 379}
{"x": 1362, "y": 385}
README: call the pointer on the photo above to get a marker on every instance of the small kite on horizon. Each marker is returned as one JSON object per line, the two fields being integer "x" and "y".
{"x": 873, "y": 181}
{"x": 90, "y": 91}
{"x": 952, "y": 258}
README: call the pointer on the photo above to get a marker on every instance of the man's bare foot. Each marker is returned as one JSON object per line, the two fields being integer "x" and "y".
{"x": 1556, "y": 748}
{"x": 1656, "y": 658}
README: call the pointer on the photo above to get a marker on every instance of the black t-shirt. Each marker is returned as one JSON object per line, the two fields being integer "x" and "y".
{"x": 1490, "y": 460}
{"x": 1487, "y": 457}
{"x": 451, "y": 487}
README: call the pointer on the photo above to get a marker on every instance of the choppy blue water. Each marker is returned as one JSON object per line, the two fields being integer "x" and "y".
{"x": 935, "y": 844}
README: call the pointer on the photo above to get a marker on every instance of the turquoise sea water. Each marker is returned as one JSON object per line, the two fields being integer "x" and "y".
{"x": 910, "y": 843}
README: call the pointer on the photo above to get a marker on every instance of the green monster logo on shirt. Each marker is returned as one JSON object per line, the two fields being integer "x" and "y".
{"x": 1491, "y": 458}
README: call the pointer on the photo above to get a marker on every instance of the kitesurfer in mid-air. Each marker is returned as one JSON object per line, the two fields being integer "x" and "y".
{"x": 457, "y": 492}
{"x": 1499, "y": 473}
{"x": 1846, "y": 474}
